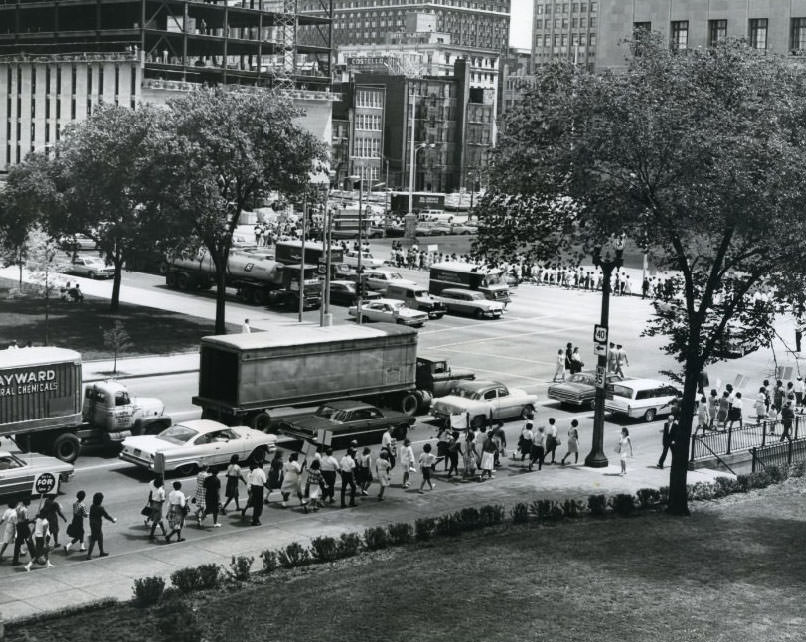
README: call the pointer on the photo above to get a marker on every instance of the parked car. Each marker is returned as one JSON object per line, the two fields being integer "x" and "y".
{"x": 463, "y": 229}
{"x": 390, "y": 311}
{"x": 367, "y": 259}
{"x": 578, "y": 389}
{"x": 394, "y": 230}
{"x": 344, "y": 292}
{"x": 460, "y": 301}
{"x": 428, "y": 228}
{"x": 77, "y": 243}
{"x": 417, "y": 298}
{"x": 375, "y": 232}
{"x": 92, "y": 267}
{"x": 381, "y": 279}
{"x": 646, "y": 398}
{"x": 482, "y": 400}
{"x": 189, "y": 444}
{"x": 348, "y": 420}
{"x": 18, "y": 471}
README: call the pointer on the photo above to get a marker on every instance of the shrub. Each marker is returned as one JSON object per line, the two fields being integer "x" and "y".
{"x": 148, "y": 590}
{"x": 240, "y": 568}
{"x": 648, "y": 497}
{"x": 759, "y": 479}
{"x": 520, "y": 513}
{"x": 324, "y": 549}
{"x": 724, "y": 486}
{"x": 573, "y": 508}
{"x": 401, "y": 533}
{"x": 597, "y": 505}
{"x": 469, "y": 519}
{"x": 490, "y": 515}
{"x": 776, "y": 474}
{"x": 293, "y": 555}
{"x": 541, "y": 508}
{"x": 349, "y": 545}
{"x": 209, "y": 576}
{"x": 664, "y": 494}
{"x": 623, "y": 504}
{"x": 742, "y": 483}
{"x": 177, "y": 622}
{"x": 797, "y": 469}
{"x": 449, "y": 525}
{"x": 376, "y": 538}
{"x": 700, "y": 491}
{"x": 186, "y": 580}
{"x": 424, "y": 528}
{"x": 270, "y": 561}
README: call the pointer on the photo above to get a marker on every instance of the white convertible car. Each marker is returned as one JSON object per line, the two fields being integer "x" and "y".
{"x": 187, "y": 445}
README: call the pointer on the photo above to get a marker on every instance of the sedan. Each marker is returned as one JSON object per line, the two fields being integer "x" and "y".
{"x": 476, "y": 402}
{"x": 367, "y": 259}
{"x": 346, "y": 293}
{"x": 348, "y": 420}
{"x": 17, "y": 472}
{"x": 390, "y": 311}
{"x": 186, "y": 446}
{"x": 382, "y": 279}
{"x": 470, "y": 302}
{"x": 92, "y": 267}
{"x": 578, "y": 389}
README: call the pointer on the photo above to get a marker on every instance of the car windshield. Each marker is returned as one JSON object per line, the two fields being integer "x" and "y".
{"x": 9, "y": 462}
{"x": 399, "y": 306}
{"x": 178, "y": 434}
{"x": 621, "y": 391}
{"x": 580, "y": 378}
{"x": 421, "y": 293}
{"x": 327, "y": 412}
{"x": 493, "y": 278}
{"x": 395, "y": 275}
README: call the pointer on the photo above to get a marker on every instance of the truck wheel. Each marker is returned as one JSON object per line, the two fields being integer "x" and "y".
{"x": 183, "y": 281}
{"x": 170, "y": 279}
{"x": 423, "y": 400}
{"x": 261, "y": 422}
{"x": 528, "y": 412}
{"x": 409, "y": 404}
{"x": 66, "y": 447}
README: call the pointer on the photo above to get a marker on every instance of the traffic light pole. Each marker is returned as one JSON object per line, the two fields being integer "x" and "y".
{"x": 360, "y": 282}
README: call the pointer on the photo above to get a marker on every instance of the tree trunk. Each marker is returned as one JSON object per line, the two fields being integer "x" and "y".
{"x": 114, "y": 303}
{"x": 678, "y": 493}
{"x": 221, "y": 297}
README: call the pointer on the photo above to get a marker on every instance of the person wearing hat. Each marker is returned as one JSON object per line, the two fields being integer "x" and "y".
{"x": 787, "y": 415}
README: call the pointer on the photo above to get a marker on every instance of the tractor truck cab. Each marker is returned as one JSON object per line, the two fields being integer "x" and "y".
{"x": 108, "y": 406}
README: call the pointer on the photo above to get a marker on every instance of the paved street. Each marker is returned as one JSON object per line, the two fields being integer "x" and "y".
{"x": 517, "y": 350}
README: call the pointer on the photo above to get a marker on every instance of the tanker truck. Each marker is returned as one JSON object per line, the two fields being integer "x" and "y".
{"x": 258, "y": 278}
{"x": 45, "y": 407}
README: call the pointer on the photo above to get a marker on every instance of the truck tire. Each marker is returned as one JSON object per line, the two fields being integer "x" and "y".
{"x": 261, "y": 421}
{"x": 424, "y": 399}
{"x": 409, "y": 404}
{"x": 183, "y": 281}
{"x": 66, "y": 447}
{"x": 170, "y": 279}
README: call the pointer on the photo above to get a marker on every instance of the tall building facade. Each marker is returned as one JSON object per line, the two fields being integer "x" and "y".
{"x": 358, "y": 128}
{"x": 768, "y": 25}
{"x": 567, "y": 30}
{"x": 59, "y": 60}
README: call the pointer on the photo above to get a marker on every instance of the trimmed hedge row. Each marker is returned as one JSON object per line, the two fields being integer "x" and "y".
{"x": 325, "y": 549}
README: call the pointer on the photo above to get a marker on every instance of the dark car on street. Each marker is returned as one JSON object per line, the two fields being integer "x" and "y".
{"x": 348, "y": 420}
{"x": 578, "y": 389}
{"x": 343, "y": 292}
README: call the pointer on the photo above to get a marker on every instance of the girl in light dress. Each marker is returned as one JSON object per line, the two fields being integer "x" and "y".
{"x": 559, "y": 368}
{"x": 8, "y": 527}
{"x": 702, "y": 414}
{"x": 407, "y": 461}
{"x": 623, "y": 445}
{"x": 383, "y": 468}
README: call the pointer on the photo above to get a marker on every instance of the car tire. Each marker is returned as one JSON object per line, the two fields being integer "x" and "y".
{"x": 183, "y": 281}
{"x": 170, "y": 279}
{"x": 399, "y": 321}
{"x": 90, "y": 275}
{"x": 66, "y": 447}
{"x": 479, "y": 314}
{"x": 186, "y": 470}
{"x": 528, "y": 412}
{"x": 649, "y": 415}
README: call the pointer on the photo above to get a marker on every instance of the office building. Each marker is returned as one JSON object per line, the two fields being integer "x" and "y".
{"x": 566, "y": 30}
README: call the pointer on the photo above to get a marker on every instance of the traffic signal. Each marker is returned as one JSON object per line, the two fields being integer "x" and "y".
{"x": 362, "y": 286}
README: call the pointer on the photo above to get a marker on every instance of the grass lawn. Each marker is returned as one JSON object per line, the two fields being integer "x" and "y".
{"x": 732, "y": 572}
{"x": 80, "y": 327}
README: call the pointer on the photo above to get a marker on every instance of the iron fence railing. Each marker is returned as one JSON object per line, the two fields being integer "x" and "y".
{"x": 711, "y": 443}
{"x": 780, "y": 454}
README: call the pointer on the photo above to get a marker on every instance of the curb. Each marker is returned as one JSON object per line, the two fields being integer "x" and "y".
{"x": 94, "y": 379}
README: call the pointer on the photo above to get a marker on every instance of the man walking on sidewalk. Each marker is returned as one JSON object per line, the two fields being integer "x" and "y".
{"x": 256, "y": 479}
{"x": 347, "y": 469}
{"x": 670, "y": 428}
{"x": 787, "y": 416}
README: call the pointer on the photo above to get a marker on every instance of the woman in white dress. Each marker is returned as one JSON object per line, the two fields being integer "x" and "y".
{"x": 383, "y": 468}
{"x": 623, "y": 445}
{"x": 292, "y": 479}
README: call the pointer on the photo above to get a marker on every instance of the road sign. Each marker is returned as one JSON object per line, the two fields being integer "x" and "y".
{"x": 599, "y": 380}
{"x": 45, "y": 483}
{"x": 600, "y": 334}
{"x": 600, "y": 349}
{"x": 322, "y": 268}
{"x": 324, "y": 437}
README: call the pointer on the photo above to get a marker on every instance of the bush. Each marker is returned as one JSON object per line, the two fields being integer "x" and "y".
{"x": 186, "y": 580}
{"x": 349, "y": 545}
{"x": 469, "y": 519}
{"x": 664, "y": 494}
{"x": 448, "y": 525}
{"x": 623, "y": 504}
{"x": 742, "y": 483}
{"x": 209, "y": 576}
{"x": 324, "y": 549}
{"x": 701, "y": 491}
{"x": 797, "y": 469}
{"x": 424, "y": 528}
{"x": 597, "y": 505}
{"x": 724, "y": 486}
{"x": 240, "y": 568}
{"x": 520, "y": 513}
{"x": 759, "y": 479}
{"x": 400, "y": 534}
{"x": 293, "y": 555}
{"x": 148, "y": 590}
{"x": 177, "y": 622}
{"x": 490, "y": 515}
{"x": 541, "y": 508}
{"x": 376, "y": 538}
{"x": 776, "y": 474}
{"x": 270, "y": 561}
{"x": 573, "y": 508}
{"x": 648, "y": 497}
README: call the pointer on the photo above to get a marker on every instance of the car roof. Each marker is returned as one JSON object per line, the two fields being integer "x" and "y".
{"x": 204, "y": 425}
{"x": 464, "y": 267}
{"x": 642, "y": 384}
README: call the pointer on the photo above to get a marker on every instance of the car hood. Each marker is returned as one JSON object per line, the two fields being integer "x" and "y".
{"x": 454, "y": 404}
{"x": 43, "y": 463}
{"x": 412, "y": 314}
{"x": 570, "y": 387}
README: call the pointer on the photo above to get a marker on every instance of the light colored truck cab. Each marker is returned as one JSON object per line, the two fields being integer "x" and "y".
{"x": 107, "y": 405}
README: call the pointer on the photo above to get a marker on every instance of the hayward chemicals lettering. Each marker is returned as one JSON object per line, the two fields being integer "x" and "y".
{"x": 28, "y": 382}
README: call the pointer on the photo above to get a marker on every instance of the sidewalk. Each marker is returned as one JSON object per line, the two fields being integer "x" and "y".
{"x": 133, "y": 367}
{"x": 75, "y": 581}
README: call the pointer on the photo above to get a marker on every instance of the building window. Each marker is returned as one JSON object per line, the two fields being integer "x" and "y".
{"x": 641, "y": 28}
{"x": 679, "y": 35}
{"x": 758, "y": 33}
{"x": 798, "y": 34}
{"x": 717, "y": 31}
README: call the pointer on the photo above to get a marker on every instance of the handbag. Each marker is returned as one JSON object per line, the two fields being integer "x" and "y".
{"x": 145, "y": 511}
{"x": 70, "y": 530}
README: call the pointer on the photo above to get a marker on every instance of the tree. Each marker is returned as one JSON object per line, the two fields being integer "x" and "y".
{"x": 44, "y": 272}
{"x": 118, "y": 340}
{"x": 229, "y": 150}
{"x": 101, "y": 164}
{"x": 698, "y": 156}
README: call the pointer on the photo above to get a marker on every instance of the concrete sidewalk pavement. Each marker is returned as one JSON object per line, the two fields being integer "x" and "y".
{"x": 133, "y": 367}
{"x": 75, "y": 581}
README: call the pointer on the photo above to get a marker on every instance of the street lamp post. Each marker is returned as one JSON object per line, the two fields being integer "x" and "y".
{"x": 608, "y": 257}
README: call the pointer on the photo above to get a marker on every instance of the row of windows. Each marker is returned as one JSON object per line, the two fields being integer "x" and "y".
{"x": 564, "y": 23}
{"x": 562, "y": 40}
{"x": 564, "y": 7}
{"x": 757, "y": 30}
{"x": 368, "y": 122}
{"x": 368, "y": 173}
{"x": 367, "y": 147}
{"x": 464, "y": 4}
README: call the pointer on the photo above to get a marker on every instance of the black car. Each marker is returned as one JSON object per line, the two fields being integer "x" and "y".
{"x": 348, "y": 420}
{"x": 344, "y": 292}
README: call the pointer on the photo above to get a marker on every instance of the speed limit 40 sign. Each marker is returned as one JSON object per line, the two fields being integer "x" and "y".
{"x": 45, "y": 483}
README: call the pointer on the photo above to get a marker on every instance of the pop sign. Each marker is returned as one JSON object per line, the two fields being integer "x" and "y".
{"x": 45, "y": 483}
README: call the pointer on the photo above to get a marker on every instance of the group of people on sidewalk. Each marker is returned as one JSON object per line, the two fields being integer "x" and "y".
{"x": 569, "y": 361}
{"x": 542, "y": 443}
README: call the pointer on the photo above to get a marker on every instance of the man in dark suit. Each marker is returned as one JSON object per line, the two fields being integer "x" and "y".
{"x": 670, "y": 427}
